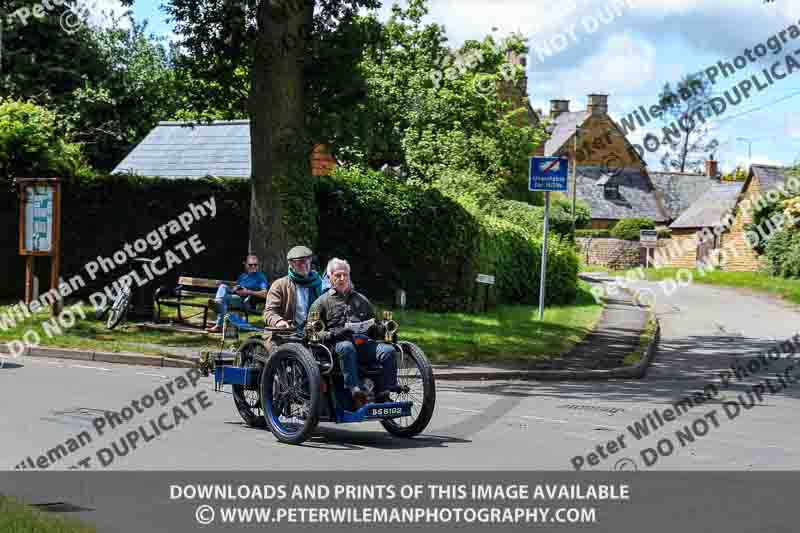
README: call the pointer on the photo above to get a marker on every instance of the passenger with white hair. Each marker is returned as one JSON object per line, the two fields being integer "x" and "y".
{"x": 341, "y": 305}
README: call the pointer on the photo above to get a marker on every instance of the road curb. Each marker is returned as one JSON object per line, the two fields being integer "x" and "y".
{"x": 109, "y": 357}
{"x": 637, "y": 371}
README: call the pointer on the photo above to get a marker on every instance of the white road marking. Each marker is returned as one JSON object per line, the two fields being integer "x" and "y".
{"x": 92, "y": 367}
{"x": 153, "y": 375}
{"x": 545, "y": 419}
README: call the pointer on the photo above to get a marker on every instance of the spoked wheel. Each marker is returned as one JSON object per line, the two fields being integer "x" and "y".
{"x": 119, "y": 309}
{"x": 248, "y": 399}
{"x": 415, "y": 377}
{"x": 290, "y": 393}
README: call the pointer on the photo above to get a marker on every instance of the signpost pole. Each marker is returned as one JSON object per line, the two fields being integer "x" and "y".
{"x": 543, "y": 274}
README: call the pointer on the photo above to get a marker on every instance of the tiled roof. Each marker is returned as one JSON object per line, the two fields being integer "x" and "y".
{"x": 561, "y": 129}
{"x": 680, "y": 190}
{"x": 638, "y": 197}
{"x": 709, "y": 209}
{"x": 177, "y": 150}
{"x": 769, "y": 177}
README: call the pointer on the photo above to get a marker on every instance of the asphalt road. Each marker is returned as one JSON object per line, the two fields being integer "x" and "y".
{"x": 492, "y": 426}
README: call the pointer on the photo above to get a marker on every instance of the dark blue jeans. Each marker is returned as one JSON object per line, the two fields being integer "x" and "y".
{"x": 376, "y": 354}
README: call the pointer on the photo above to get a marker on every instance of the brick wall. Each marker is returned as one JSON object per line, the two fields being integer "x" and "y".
{"x": 740, "y": 257}
{"x": 611, "y": 253}
{"x": 682, "y": 252}
{"x": 322, "y": 162}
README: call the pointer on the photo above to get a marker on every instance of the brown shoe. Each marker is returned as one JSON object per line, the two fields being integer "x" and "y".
{"x": 360, "y": 399}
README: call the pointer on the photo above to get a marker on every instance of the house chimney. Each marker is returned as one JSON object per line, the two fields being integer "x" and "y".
{"x": 557, "y": 107}
{"x": 598, "y": 104}
{"x": 711, "y": 167}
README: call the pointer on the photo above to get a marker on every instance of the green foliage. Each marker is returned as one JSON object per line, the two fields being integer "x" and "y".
{"x": 593, "y": 233}
{"x": 738, "y": 174}
{"x": 138, "y": 89}
{"x": 450, "y": 131}
{"x": 531, "y": 218}
{"x": 402, "y": 236}
{"x": 514, "y": 257}
{"x": 628, "y": 228}
{"x": 398, "y": 236}
{"x": 783, "y": 253}
{"x": 33, "y": 146}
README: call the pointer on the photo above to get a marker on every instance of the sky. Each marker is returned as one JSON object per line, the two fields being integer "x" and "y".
{"x": 628, "y": 49}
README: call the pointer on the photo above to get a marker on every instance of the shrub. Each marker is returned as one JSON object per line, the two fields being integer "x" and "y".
{"x": 783, "y": 253}
{"x": 593, "y": 233}
{"x": 514, "y": 257}
{"x": 531, "y": 217}
{"x": 398, "y": 236}
{"x": 628, "y": 228}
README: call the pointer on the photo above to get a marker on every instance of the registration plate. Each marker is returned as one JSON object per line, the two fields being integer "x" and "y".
{"x": 391, "y": 411}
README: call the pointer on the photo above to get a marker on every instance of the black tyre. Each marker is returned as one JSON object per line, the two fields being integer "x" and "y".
{"x": 415, "y": 375}
{"x": 248, "y": 399}
{"x": 290, "y": 393}
{"x": 119, "y": 309}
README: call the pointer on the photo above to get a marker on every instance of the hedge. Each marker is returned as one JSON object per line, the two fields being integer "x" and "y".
{"x": 531, "y": 217}
{"x": 628, "y": 228}
{"x": 514, "y": 257}
{"x": 100, "y": 215}
{"x": 783, "y": 253}
{"x": 432, "y": 246}
{"x": 398, "y": 237}
{"x": 395, "y": 236}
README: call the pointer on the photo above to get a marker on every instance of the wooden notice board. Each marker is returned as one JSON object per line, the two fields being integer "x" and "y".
{"x": 40, "y": 227}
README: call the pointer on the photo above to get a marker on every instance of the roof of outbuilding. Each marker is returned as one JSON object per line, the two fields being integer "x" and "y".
{"x": 192, "y": 150}
{"x": 708, "y": 210}
{"x": 680, "y": 190}
{"x": 769, "y": 177}
{"x": 638, "y": 196}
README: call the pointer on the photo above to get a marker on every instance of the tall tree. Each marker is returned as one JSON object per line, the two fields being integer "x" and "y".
{"x": 685, "y": 111}
{"x": 273, "y": 40}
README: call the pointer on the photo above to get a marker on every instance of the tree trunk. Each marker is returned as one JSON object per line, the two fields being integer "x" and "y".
{"x": 279, "y": 153}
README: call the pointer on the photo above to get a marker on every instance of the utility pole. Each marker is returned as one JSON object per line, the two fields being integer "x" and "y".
{"x": 749, "y": 148}
{"x": 575, "y": 176}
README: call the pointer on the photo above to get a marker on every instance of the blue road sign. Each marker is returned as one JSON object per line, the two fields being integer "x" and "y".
{"x": 548, "y": 174}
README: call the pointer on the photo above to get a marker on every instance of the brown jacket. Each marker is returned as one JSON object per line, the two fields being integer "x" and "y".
{"x": 280, "y": 302}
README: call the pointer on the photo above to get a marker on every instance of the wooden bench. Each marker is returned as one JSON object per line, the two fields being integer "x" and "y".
{"x": 189, "y": 287}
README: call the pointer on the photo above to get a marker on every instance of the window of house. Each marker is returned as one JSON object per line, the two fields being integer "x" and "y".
{"x": 611, "y": 191}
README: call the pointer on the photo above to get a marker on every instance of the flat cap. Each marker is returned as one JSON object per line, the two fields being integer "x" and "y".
{"x": 298, "y": 252}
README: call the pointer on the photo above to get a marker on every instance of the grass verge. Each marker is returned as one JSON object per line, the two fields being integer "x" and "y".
{"x": 782, "y": 287}
{"x": 18, "y": 518}
{"x": 644, "y": 341}
{"x": 91, "y": 334}
{"x": 508, "y": 333}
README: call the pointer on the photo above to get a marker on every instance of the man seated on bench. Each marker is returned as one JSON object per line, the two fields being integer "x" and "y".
{"x": 251, "y": 283}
